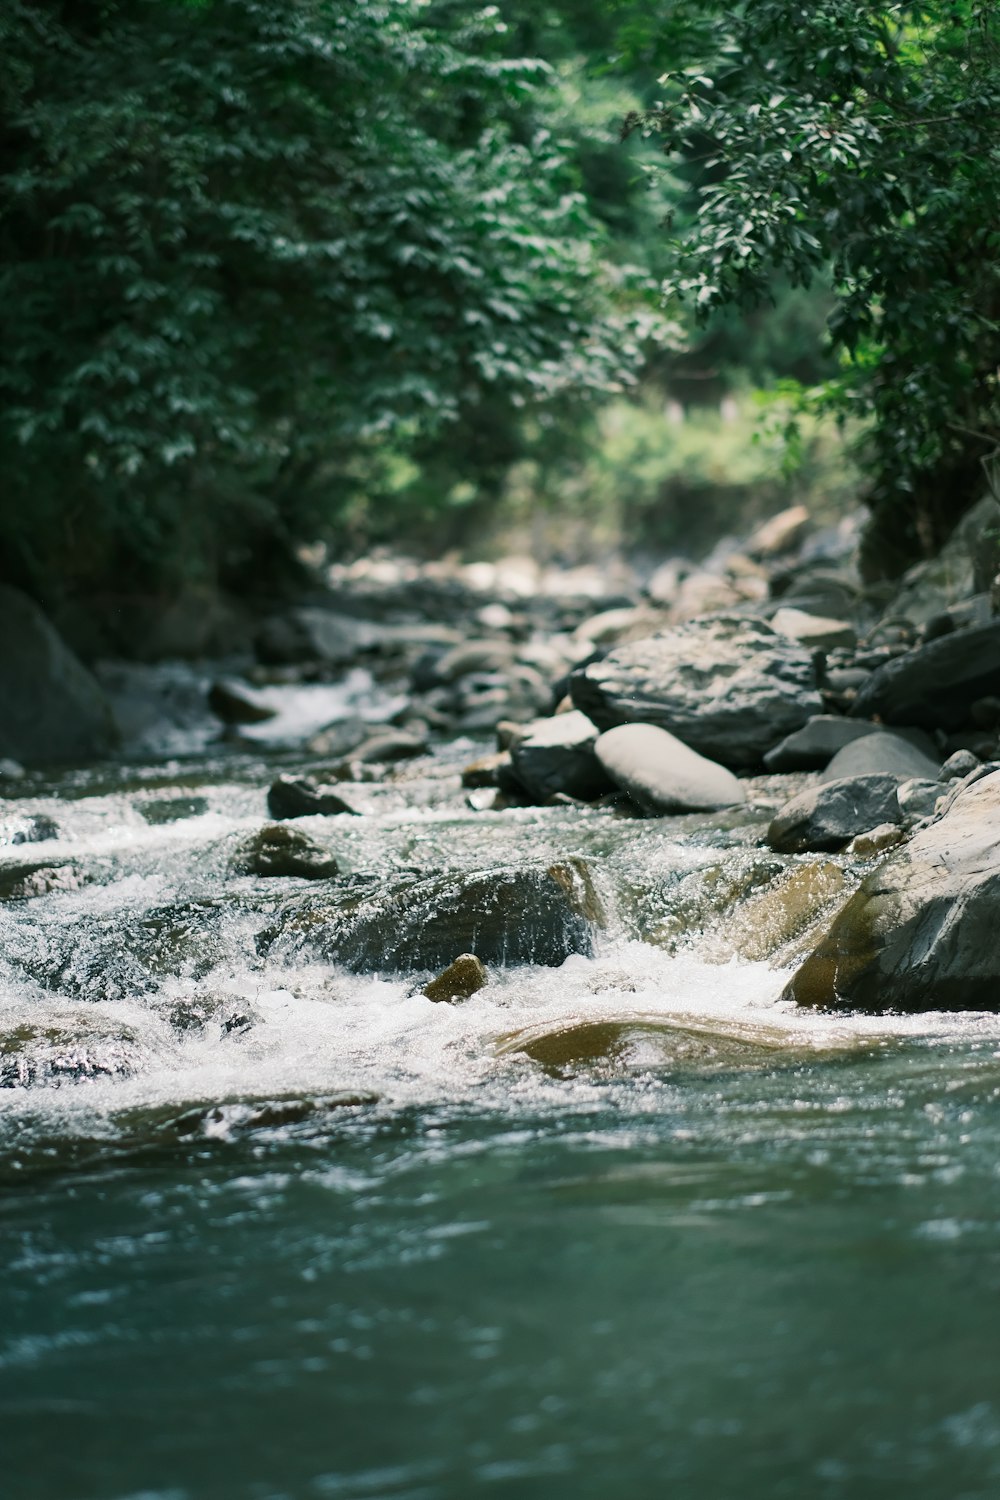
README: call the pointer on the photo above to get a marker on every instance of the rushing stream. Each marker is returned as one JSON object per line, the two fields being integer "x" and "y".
{"x": 627, "y": 1226}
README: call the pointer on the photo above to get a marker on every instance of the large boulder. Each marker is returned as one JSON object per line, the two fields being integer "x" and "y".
{"x": 726, "y": 685}
{"x": 534, "y": 915}
{"x": 883, "y": 754}
{"x": 558, "y": 756}
{"x": 54, "y": 711}
{"x": 920, "y": 933}
{"x": 935, "y": 686}
{"x": 663, "y": 775}
{"x": 828, "y": 816}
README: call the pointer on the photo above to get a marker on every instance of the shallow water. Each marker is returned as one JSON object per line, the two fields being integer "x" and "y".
{"x": 627, "y": 1226}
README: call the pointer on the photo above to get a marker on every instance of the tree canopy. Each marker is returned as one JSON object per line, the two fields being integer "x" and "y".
{"x": 855, "y": 141}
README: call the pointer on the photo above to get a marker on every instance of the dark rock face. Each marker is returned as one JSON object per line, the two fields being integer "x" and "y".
{"x": 882, "y": 754}
{"x": 298, "y": 797}
{"x": 663, "y": 775}
{"x": 935, "y": 686}
{"x": 920, "y": 933}
{"x": 502, "y": 917}
{"x": 278, "y": 850}
{"x": 557, "y": 755}
{"x": 54, "y": 711}
{"x": 235, "y": 702}
{"x": 727, "y": 686}
{"x": 459, "y": 980}
{"x": 828, "y": 816}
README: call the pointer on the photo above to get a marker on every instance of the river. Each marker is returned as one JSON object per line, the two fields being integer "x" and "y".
{"x": 630, "y": 1225}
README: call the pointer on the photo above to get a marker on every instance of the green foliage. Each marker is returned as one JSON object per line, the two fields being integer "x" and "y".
{"x": 245, "y": 245}
{"x": 861, "y": 138}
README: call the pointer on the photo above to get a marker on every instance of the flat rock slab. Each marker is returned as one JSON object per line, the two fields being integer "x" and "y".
{"x": 935, "y": 686}
{"x": 882, "y": 754}
{"x": 920, "y": 933}
{"x": 726, "y": 685}
{"x": 828, "y": 816}
{"x": 663, "y": 775}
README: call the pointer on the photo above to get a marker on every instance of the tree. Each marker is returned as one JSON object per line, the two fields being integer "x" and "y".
{"x": 243, "y": 244}
{"x": 860, "y": 141}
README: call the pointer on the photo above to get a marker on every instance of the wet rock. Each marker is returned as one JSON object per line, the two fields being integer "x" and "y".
{"x": 504, "y": 917}
{"x": 828, "y": 816}
{"x": 771, "y": 919}
{"x": 30, "y": 828}
{"x": 300, "y": 797}
{"x": 484, "y": 771}
{"x": 66, "y": 1050}
{"x": 816, "y": 743}
{"x": 557, "y": 755}
{"x": 462, "y": 978}
{"x": 815, "y": 631}
{"x": 934, "y": 686}
{"x": 661, "y": 774}
{"x": 54, "y": 710}
{"x": 920, "y": 933}
{"x": 234, "y": 702}
{"x": 389, "y": 745}
{"x": 162, "y": 810}
{"x": 281, "y": 851}
{"x": 339, "y": 738}
{"x": 727, "y": 686}
{"x": 22, "y": 882}
{"x": 883, "y": 754}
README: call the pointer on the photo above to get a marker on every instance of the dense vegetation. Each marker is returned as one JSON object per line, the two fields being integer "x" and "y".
{"x": 277, "y": 271}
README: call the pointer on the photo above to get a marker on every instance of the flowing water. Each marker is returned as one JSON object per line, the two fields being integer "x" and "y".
{"x": 629, "y": 1226}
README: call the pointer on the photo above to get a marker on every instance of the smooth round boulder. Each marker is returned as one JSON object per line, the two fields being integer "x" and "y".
{"x": 663, "y": 775}
{"x": 883, "y": 754}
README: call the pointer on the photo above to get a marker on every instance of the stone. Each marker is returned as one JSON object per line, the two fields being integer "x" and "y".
{"x": 728, "y": 686}
{"x": 661, "y": 774}
{"x": 22, "y": 882}
{"x": 882, "y": 753}
{"x": 934, "y": 686}
{"x": 876, "y": 841}
{"x": 920, "y": 932}
{"x": 533, "y": 915}
{"x": 558, "y": 756}
{"x": 960, "y": 569}
{"x": 279, "y": 851}
{"x": 300, "y": 797}
{"x": 816, "y": 743}
{"x": 771, "y": 919}
{"x": 462, "y": 978}
{"x": 389, "y": 745}
{"x": 828, "y": 816}
{"x": 339, "y": 738}
{"x": 781, "y": 533}
{"x": 54, "y": 710}
{"x": 483, "y": 772}
{"x": 815, "y": 631}
{"x": 918, "y": 798}
{"x": 28, "y": 828}
{"x": 474, "y": 656}
{"x": 235, "y": 703}
{"x": 958, "y": 764}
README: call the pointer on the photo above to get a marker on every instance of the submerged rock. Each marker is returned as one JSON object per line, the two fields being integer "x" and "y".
{"x": 39, "y": 877}
{"x": 463, "y": 977}
{"x": 277, "y": 850}
{"x": 66, "y": 1049}
{"x": 828, "y": 816}
{"x": 920, "y": 933}
{"x": 728, "y": 686}
{"x": 661, "y": 774}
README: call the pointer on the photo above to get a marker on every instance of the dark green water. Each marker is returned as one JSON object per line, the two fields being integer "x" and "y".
{"x": 755, "y": 1259}
{"x": 770, "y": 1284}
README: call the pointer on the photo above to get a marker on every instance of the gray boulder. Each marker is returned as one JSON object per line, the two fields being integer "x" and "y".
{"x": 828, "y": 816}
{"x": 54, "y": 711}
{"x": 816, "y": 743}
{"x": 920, "y": 933}
{"x": 818, "y": 632}
{"x": 726, "y": 685}
{"x": 881, "y": 753}
{"x": 934, "y": 686}
{"x": 301, "y": 797}
{"x": 663, "y": 775}
{"x": 558, "y": 756}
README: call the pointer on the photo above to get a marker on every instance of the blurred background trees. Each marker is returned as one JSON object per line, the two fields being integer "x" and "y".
{"x": 368, "y": 270}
